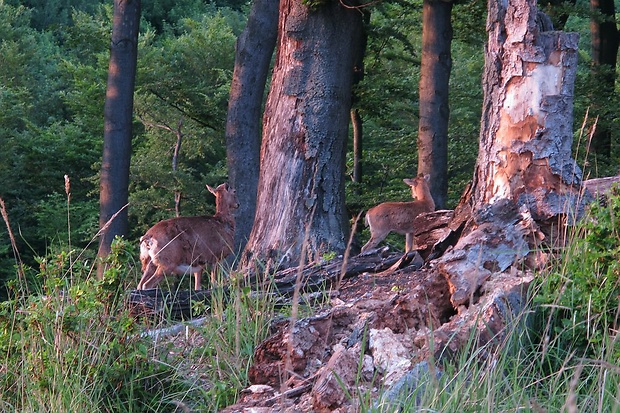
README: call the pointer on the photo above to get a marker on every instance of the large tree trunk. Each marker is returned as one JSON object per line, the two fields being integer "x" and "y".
{"x": 434, "y": 105}
{"x": 118, "y": 117}
{"x": 300, "y": 200}
{"x": 525, "y": 178}
{"x": 254, "y": 50}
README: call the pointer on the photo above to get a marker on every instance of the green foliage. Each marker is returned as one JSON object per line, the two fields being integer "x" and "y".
{"x": 183, "y": 86}
{"x": 73, "y": 346}
{"x": 165, "y": 16}
{"x": 315, "y": 4}
{"x": 53, "y": 14}
{"x": 581, "y": 296}
{"x": 469, "y": 21}
{"x": 52, "y": 91}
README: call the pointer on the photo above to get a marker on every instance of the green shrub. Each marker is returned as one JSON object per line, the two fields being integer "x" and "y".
{"x": 579, "y": 298}
{"x": 73, "y": 346}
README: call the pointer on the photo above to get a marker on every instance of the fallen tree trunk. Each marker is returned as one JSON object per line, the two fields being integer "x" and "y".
{"x": 312, "y": 278}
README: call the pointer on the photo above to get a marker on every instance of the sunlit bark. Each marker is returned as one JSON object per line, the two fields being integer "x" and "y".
{"x": 118, "y": 117}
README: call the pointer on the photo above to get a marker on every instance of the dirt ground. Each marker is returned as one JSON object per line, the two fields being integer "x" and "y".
{"x": 366, "y": 340}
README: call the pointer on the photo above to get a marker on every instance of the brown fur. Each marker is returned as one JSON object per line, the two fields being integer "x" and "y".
{"x": 188, "y": 244}
{"x": 398, "y": 216}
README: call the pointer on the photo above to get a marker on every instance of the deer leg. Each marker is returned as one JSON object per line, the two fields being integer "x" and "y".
{"x": 148, "y": 269}
{"x": 152, "y": 276}
{"x": 409, "y": 242}
{"x": 198, "y": 280}
{"x": 374, "y": 240}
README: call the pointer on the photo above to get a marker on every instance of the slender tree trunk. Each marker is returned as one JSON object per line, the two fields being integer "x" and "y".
{"x": 434, "y": 105}
{"x": 255, "y": 48}
{"x": 604, "y": 32}
{"x": 118, "y": 117}
{"x": 356, "y": 119}
{"x": 605, "y": 40}
{"x": 358, "y": 137}
{"x": 301, "y": 185}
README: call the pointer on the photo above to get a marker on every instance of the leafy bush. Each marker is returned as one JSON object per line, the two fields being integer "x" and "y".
{"x": 579, "y": 299}
{"x": 73, "y": 346}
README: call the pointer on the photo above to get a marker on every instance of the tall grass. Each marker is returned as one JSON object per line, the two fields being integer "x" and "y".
{"x": 68, "y": 342}
{"x": 562, "y": 354}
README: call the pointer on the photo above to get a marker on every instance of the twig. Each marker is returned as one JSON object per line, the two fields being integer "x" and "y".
{"x": 18, "y": 260}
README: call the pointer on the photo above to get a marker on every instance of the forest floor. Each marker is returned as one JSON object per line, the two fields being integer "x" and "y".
{"x": 360, "y": 342}
{"x": 347, "y": 354}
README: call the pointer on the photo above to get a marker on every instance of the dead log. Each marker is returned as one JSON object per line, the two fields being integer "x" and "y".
{"x": 169, "y": 304}
{"x": 183, "y": 304}
{"x": 420, "y": 303}
{"x": 600, "y": 188}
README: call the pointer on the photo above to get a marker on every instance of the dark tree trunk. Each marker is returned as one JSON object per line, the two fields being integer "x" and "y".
{"x": 605, "y": 39}
{"x": 434, "y": 105}
{"x": 118, "y": 117}
{"x": 604, "y": 33}
{"x": 305, "y": 127}
{"x": 255, "y": 48}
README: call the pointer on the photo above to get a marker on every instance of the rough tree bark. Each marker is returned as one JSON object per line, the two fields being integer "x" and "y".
{"x": 305, "y": 126}
{"x": 526, "y": 184}
{"x": 118, "y": 117}
{"x": 254, "y": 50}
{"x": 434, "y": 106}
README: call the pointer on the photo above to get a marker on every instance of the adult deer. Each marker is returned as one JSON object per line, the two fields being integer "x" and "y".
{"x": 398, "y": 216}
{"x": 188, "y": 244}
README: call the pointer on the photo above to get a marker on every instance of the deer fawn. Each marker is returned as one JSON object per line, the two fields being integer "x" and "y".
{"x": 398, "y": 216}
{"x": 189, "y": 244}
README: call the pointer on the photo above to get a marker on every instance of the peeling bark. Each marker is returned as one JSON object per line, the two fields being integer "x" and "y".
{"x": 526, "y": 134}
{"x": 525, "y": 180}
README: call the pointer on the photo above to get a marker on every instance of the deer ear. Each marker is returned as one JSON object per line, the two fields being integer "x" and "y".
{"x": 210, "y": 189}
{"x": 427, "y": 177}
{"x": 408, "y": 181}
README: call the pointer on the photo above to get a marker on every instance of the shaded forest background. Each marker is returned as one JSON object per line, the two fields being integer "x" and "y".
{"x": 52, "y": 84}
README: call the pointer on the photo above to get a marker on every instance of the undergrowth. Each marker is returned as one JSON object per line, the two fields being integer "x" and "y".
{"x": 562, "y": 354}
{"x": 68, "y": 342}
